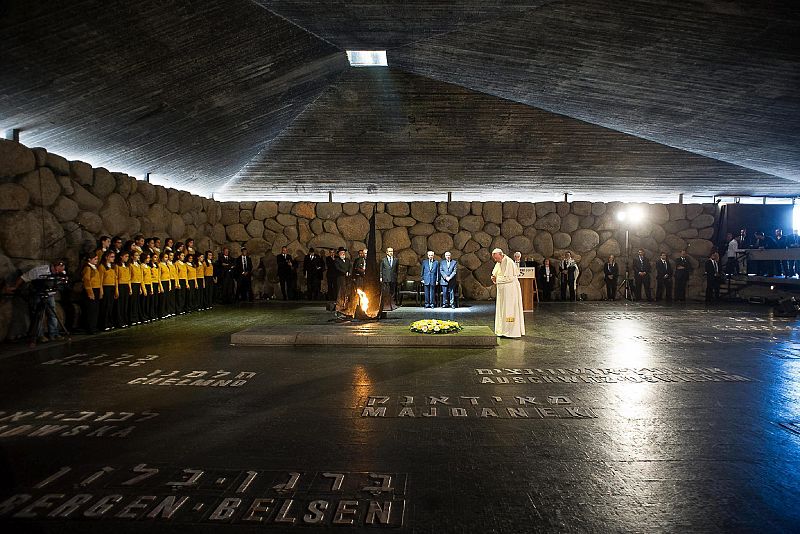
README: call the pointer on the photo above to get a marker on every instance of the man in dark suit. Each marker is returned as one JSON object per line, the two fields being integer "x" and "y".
{"x": 683, "y": 268}
{"x": 285, "y": 272}
{"x": 713, "y": 277}
{"x": 611, "y": 272}
{"x": 448, "y": 270}
{"x": 313, "y": 268}
{"x": 389, "y": 272}
{"x": 343, "y": 268}
{"x": 244, "y": 276}
{"x": 360, "y": 268}
{"x": 430, "y": 277}
{"x": 664, "y": 274}
{"x": 641, "y": 277}
{"x": 226, "y": 276}
{"x": 547, "y": 279}
{"x": 330, "y": 271}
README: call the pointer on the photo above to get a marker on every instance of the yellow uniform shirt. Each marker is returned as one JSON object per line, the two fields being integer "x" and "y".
{"x": 155, "y": 274}
{"x": 147, "y": 277}
{"x": 209, "y": 268}
{"x": 124, "y": 276}
{"x": 191, "y": 273}
{"x": 183, "y": 274}
{"x": 164, "y": 274}
{"x": 92, "y": 279}
{"x": 136, "y": 273}
{"x": 108, "y": 274}
{"x": 173, "y": 274}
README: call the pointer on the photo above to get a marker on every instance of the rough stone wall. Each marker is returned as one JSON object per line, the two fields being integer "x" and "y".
{"x": 470, "y": 230}
{"x": 51, "y": 207}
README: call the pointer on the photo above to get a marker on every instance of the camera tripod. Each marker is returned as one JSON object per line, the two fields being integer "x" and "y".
{"x": 624, "y": 288}
{"x": 41, "y": 308}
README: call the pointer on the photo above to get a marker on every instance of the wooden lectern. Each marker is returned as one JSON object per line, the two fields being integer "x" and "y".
{"x": 530, "y": 293}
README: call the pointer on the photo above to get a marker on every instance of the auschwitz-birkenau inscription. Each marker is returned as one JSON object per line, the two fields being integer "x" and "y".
{"x": 587, "y": 375}
{"x": 217, "y": 379}
{"x": 754, "y": 328}
{"x": 791, "y": 352}
{"x": 83, "y": 359}
{"x": 471, "y": 407}
{"x": 212, "y": 496}
{"x": 70, "y": 423}
{"x": 703, "y": 339}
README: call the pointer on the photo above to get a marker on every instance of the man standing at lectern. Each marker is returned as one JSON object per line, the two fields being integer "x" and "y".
{"x": 447, "y": 279}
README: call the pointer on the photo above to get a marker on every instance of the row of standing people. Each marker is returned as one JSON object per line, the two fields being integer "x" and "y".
{"x": 671, "y": 277}
{"x": 135, "y": 284}
{"x": 734, "y": 245}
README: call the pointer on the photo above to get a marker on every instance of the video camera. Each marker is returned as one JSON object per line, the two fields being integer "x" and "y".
{"x": 50, "y": 284}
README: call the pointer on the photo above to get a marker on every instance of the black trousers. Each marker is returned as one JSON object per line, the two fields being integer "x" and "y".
{"x": 566, "y": 285}
{"x": 107, "y": 307}
{"x": 546, "y": 289}
{"x": 209, "y": 291}
{"x": 285, "y": 281}
{"x": 134, "y": 307}
{"x": 680, "y": 288}
{"x": 155, "y": 302}
{"x": 165, "y": 306}
{"x": 91, "y": 311}
{"x": 314, "y": 288}
{"x": 331, "y": 286}
{"x": 145, "y": 302}
{"x": 180, "y": 298}
{"x": 121, "y": 309}
{"x": 611, "y": 289}
{"x": 642, "y": 282}
{"x": 245, "y": 289}
{"x": 662, "y": 286}
{"x": 712, "y": 288}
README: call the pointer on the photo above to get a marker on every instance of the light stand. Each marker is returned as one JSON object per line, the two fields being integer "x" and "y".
{"x": 624, "y": 287}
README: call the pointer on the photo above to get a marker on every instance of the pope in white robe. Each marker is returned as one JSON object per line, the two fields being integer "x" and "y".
{"x": 509, "y": 320}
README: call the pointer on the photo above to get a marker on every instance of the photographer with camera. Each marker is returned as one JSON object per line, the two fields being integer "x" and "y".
{"x": 45, "y": 280}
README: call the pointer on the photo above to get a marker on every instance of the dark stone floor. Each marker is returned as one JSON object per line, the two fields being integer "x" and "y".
{"x": 607, "y": 417}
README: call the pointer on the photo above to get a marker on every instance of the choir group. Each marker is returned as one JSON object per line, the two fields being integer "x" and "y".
{"x": 138, "y": 282}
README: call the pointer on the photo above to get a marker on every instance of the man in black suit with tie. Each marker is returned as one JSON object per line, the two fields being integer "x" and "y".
{"x": 225, "y": 273}
{"x": 683, "y": 268}
{"x": 664, "y": 274}
{"x": 713, "y": 277}
{"x": 313, "y": 268}
{"x": 389, "y": 271}
{"x": 244, "y": 274}
{"x": 611, "y": 271}
{"x": 330, "y": 270}
{"x": 641, "y": 269}
{"x": 285, "y": 272}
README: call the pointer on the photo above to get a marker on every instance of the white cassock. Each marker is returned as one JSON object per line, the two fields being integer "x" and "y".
{"x": 509, "y": 320}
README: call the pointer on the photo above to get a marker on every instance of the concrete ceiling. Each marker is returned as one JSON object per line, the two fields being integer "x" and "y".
{"x": 388, "y": 134}
{"x": 696, "y": 96}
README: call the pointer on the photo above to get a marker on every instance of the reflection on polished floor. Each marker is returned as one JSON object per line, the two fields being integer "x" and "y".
{"x": 607, "y": 417}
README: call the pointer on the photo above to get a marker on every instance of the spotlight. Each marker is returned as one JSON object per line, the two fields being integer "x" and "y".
{"x": 635, "y": 214}
{"x": 621, "y": 215}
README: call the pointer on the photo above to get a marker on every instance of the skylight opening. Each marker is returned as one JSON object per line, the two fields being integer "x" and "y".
{"x": 367, "y": 58}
